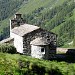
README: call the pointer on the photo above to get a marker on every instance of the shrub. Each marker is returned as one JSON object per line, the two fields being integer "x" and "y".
{"x": 7, "y": 48}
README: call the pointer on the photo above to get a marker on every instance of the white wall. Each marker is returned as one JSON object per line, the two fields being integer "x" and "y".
{"x": 18, "y": 42}
{"x": 10, "y": 27}
{"x": 36, "y": 52}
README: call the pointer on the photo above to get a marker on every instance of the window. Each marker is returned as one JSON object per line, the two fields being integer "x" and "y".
{"x": 42, "y": 49}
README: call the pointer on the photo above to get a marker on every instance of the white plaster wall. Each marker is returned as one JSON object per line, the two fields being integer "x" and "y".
{"x": 36, "y": 52}
{"x": 10, "y": 28}
{"x": 18, "y": 42}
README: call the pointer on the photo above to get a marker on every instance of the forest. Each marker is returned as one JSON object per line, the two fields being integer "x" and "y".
{"x": 7, "y": 9}
{"x": 54, "y": 17}
{"x": 58, "y": 19}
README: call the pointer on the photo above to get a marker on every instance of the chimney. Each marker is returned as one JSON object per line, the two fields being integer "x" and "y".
{"x": 17, "y": 21}
{"x": 18, "y": 16}
{"x": 13, "y": 23}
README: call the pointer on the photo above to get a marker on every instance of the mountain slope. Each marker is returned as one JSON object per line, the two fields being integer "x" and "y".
{"x": 52, "y": 15}
{"x": 27, "y": 8}
{"x": 7, "y": 9}
{"x": 67, "y": 31}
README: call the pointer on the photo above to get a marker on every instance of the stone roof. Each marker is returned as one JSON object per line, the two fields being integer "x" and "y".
{"x": 6, "y": 40}
{"x": 39, "y": 42}
{"x": 24, "y": 29}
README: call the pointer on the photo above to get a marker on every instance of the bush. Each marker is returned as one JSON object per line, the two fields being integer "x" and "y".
{"x": 7, "y": 48}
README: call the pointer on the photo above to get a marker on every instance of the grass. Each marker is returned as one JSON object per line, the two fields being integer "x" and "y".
{"x": 74, "y": 14}
{"x": 16, "y": 64}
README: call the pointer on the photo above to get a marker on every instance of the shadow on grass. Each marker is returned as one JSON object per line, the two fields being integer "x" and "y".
{"x": 69, "y": 56}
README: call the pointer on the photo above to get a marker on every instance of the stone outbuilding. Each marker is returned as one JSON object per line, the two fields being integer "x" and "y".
{"x": 40, "y": 48}
{"x": 29, "y": 38}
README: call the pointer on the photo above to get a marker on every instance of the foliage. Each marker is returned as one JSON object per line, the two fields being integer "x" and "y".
{"x": 74, "y": 41}
{"x": 55, "y": 17}
{"x": 5, "y": 34}
{"x": 52, "y": 15}
{"x": 24, "y": 65}
{"x": 60, "y": 42}
{"x": 67, "y": 30}
{"x": 7, "y": 48}
{"x": 28, "y": 6}
{"x": 8, "y": 7}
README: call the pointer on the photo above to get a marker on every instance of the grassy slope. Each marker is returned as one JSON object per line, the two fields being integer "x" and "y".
{"x": 56, "y": 29}
{"x": 34, "y": 4}
{"x": 21, "y": 65}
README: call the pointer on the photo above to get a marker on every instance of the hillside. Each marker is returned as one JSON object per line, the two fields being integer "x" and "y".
{"x": 7, "y": 9}
{"x": 54, "y": 15}
{"x": 16, "y": 64}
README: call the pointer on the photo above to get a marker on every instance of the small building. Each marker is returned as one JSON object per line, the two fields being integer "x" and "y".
{"x": 8, "y": 40}
{"x": 25, "y": 38}
{"x": 40, "y": 48}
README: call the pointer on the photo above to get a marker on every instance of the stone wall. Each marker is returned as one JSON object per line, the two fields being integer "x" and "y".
{"x": 62, "y": 50}
{"x": 16, "y": 21}
{"x": 36, "y": 51}
{"x": 51, "y": 38}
